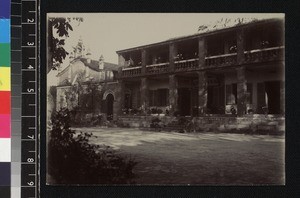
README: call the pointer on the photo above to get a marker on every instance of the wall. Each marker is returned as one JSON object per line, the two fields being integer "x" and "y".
{"x": 162, "y": 83}
{"x": 249, "y": 124}
{"x": 61, "y": 100}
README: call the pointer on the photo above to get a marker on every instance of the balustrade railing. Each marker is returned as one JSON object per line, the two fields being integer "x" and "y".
{"x": 221, "y": 60}
{"x": 184, "y": 65}
{"x": 266, "y": 54}
{"x": 131, "y": 71}
{"x": 252, "y": 56}
{"x": 157, "y": 68}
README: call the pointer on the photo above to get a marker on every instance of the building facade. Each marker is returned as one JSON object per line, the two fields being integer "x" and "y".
{"x": 231, "y": 72}
{"x": 87, "y": 84}
{"x": 227, "y": 78}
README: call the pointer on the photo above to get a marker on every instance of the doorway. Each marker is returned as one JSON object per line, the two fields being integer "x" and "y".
{"x": 273, "y": 94}
{"x": 184, "y": 101}
{"x": 110, "y": 106}
{"x": 215, "y": 99}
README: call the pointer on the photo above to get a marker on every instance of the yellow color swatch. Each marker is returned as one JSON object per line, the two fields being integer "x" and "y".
{"x": 4, "y": 78}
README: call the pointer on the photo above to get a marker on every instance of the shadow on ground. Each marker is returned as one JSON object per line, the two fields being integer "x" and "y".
{"x": 198, "y": 158}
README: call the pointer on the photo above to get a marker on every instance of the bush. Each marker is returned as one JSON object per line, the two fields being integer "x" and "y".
{"x": 156, "y": 123}
{"x": 177, "y": 113}
{"x": 72, "y": 160}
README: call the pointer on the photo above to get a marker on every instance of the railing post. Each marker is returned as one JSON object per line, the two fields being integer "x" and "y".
{"x": 240, "y": 46}
{"x": 201, "y": 51}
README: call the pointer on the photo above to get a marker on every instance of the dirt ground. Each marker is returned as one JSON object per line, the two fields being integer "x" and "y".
{"x": 198, "y": 158}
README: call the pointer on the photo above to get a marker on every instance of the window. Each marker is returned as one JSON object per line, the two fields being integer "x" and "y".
{"x": 152, "y": 98}
{"x": 231, "y": 94}
{"x": 158, "y": 97}
{"x": 162, "y": 97}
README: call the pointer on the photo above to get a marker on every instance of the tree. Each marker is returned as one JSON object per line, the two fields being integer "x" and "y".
{"x": 56, "y": 40}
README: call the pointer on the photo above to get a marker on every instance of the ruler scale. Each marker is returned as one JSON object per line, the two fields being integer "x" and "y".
{"x": 16, "y": 58}
{"x": 29, "y": 157}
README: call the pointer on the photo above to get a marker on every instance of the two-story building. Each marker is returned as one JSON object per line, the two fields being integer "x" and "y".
{"x": 231, "y": 72}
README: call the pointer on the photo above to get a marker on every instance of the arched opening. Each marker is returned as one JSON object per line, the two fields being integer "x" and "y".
{"x": 110, "y": 106}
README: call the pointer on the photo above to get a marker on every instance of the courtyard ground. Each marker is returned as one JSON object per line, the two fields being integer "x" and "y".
{"x": 198, "y": 158}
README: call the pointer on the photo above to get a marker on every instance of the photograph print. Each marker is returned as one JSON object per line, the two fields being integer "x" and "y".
{"x": 165, "y": 99}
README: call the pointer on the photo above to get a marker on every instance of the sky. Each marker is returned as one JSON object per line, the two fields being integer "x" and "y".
{"x": 106, "y": 33}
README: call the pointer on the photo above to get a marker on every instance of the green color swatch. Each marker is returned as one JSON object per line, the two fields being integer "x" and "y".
{"x": 5, "y": 54}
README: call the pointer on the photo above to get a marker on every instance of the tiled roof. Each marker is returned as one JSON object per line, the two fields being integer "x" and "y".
{"x": 201, "y": 33}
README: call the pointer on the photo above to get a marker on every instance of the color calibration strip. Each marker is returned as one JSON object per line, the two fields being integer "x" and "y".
{"x": 5, "y": 107}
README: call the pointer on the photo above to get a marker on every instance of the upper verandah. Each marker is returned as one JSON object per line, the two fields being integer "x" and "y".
{"x": 209, "y": 32}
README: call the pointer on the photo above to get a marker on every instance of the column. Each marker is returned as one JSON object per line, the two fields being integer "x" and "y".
{"x": 240, "y": 46}
{"x": 119, "y": 100}
{"x": 173, "y": 94}
{"x": 202, "y": 93}
{"x": 201, "y": 51}
{"x": 172, "y": 55}
{"x": 121, "y": 60}
{"x": 144, "y": 94}
{"x": 144, "y": 61}
{"x": 241, "y": 91}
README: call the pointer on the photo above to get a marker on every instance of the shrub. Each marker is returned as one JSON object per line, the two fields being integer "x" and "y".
{"x": 156, "y": 123}
{"x": 177, "y": 113}
{"x": 72, "y": 160}
{"x": 159, "y": 111}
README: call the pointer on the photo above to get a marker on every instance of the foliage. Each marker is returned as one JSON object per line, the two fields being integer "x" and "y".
{"x": 224, "y": 23}
{"x": 57, "y": 52}
{"x": 73, "y": 160}
{"x": 156, "y": 123}
{"x": 177, "y": 113}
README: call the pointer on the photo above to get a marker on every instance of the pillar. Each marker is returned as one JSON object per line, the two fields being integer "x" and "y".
{"x": 202, "y": 92}
{"x": 173, "y": 94}
{"x": 144, "y": 94}
{"x": 241, "y": 91}
{"x": 121, "y": 60}
{"x": 240, "y": 46}
{"x": 144, "y": 61}
{"x": 119, "y": 100}
{"x": 172, "y": 55}
{"x": 201, "y": 51}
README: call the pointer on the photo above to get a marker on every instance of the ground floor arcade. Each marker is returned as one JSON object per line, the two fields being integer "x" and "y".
{"x": 236, "y": 91}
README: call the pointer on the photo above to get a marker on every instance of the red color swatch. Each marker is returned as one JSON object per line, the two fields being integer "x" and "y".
{"x": 4, "y": 102}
